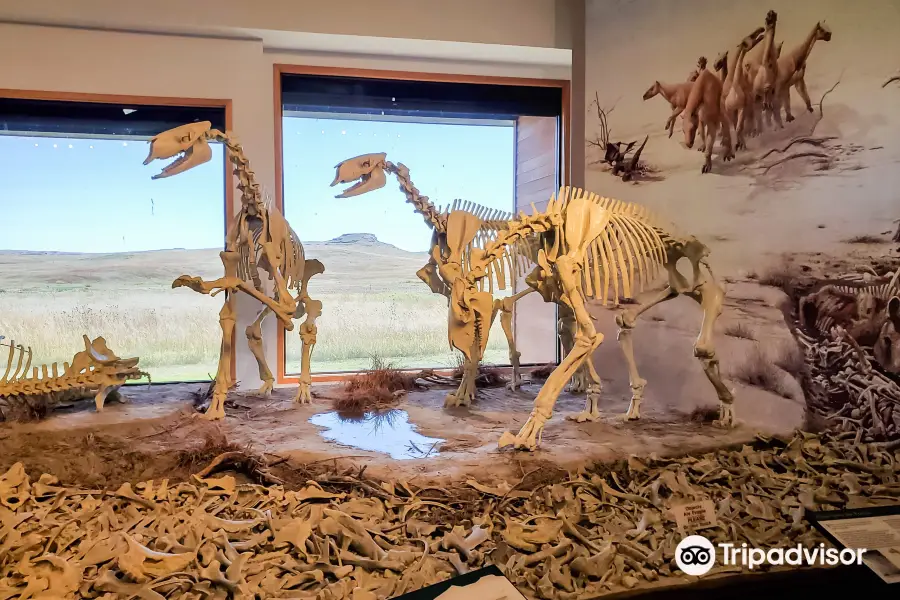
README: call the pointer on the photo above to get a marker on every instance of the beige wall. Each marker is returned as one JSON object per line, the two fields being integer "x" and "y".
{"x": 107, "y": 62}
{"x": 537, "y": 23}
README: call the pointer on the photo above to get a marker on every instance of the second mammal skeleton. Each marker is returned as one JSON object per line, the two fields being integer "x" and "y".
{"x": 589, "y": 246}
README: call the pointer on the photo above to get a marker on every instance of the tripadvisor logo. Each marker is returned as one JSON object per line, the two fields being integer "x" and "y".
{"x": 696, "y": 555}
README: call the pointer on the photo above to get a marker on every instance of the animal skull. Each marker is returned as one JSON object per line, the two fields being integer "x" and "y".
{"x": 188, "y": 142}
{"x": 366, "y": 170}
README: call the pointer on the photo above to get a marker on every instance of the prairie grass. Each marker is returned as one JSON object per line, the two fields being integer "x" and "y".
{"x": 47, "y": 301}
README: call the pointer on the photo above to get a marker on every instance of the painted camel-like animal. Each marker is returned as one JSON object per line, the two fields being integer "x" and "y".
{"x": 753, "y": 64}
{"x": 704, "y": 109}
{"x": 736, "y": 87}
{"x": 764, "y": 83}
{"x": 792, "y": 71}
{"x": 676, "y": 94}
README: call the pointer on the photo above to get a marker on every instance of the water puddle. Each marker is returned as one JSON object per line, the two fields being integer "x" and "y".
{"x": 388, "y": 431}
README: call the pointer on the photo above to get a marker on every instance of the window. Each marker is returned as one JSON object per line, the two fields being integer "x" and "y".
{"x": 89, "y": 244}
{"x": 459, "y": 141}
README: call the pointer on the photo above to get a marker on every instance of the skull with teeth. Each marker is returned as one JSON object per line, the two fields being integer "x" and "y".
{"x": 189, "y": 143}
{"x": 366, "y": 170}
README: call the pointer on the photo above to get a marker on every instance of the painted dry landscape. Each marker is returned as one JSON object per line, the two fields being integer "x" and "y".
{"x": 49, "y": 299}
{"x": 798, "y": 203}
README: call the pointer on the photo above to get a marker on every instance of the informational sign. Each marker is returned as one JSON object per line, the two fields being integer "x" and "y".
{"x": 694, "y": 515}
{"x": 875, "y": 529}
{"x": 488, "y": 583}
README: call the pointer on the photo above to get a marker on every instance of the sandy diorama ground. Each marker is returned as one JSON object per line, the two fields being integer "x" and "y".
{"x": 143, "y": 437}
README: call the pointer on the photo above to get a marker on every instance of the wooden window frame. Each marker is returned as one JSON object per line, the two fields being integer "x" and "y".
{"x": 289, "y": 69}
{"x": 228, "y": 207}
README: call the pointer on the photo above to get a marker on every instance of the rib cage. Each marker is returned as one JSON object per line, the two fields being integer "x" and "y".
{"x": 10, "y": 375}
{"x": 843, "y": 295}
{"x": 619, "y": 263}
{"x": 293, "y": 261}
{"x": 514, "y": 264}
{"x": 628, "y": 253}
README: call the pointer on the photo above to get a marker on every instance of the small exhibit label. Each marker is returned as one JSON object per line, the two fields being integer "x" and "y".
{"x": 694, "y": 515}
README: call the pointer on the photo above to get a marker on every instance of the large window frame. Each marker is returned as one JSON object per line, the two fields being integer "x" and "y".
{"x": 150, "y": 101}
{"x": 563, "y": 161}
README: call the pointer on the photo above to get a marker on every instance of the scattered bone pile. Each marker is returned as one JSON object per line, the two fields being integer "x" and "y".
{"x": 601, "y": 530}
{"x": 846, "y": 389}
{"x": 848, "y": 352}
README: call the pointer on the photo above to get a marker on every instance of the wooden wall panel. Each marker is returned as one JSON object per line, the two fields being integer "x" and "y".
{"x": 537, "y": 178}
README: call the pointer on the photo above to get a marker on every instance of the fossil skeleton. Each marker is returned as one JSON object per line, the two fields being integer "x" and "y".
{"x": 95, "y": 371}
{"x": 605, "y": 529}
{"x": 588, "y": 248}
{"x": 368, "y": 172}
{"x": 260, "y": 238}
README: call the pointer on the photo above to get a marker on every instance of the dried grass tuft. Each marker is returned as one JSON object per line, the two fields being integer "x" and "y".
{"x": 741, "y": 331}
{"x": 214, "y": 443}
{"x": 759, "y": 372}
{"x": 543, "y": 372}
{"x": 865, "y": 239}
{"x": 704, "y": 414}
{"x": 783, "y": 276}
{"x": 378, "y": 388}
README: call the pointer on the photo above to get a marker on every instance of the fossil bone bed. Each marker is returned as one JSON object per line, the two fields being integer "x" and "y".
{"x": 339, "y": 533}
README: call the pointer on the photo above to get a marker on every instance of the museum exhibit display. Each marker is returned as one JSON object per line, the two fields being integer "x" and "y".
{"x": 685, "y": 249}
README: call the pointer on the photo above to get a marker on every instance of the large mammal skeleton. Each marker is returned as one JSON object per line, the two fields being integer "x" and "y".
{"x": 95, "y": 371}
{"x": 368, "y": 171}
{"x": 590, "y": 248}
{"x": 260, "y": 238}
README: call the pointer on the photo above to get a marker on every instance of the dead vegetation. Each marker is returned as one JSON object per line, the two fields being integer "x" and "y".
{"x": 826, "y": 153}
{"x": 382, "y": 386}
{"x": 865, "y": 239}
{"x": 615, "y": 155}
{"x": 741, "y": 331}
{"x": 704, "y": 414}
{"x": 213, "y": 444}
{"x": 783, "y": 276}
{"x": 542, "y": 372}
{"x": 758, "y": 371}
{"x": 488, "y": 376}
